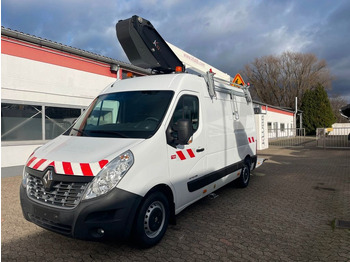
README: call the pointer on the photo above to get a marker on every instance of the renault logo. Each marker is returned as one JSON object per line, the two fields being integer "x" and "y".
{"x": 48, "y": 180}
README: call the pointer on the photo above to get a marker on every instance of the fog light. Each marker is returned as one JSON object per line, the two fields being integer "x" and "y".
{"x": 100, "y": 232}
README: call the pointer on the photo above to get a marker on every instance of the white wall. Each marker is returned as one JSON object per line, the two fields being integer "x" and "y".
{"x": 16, "y": 155}
{"x": 30, "y": 81}
{"x": 272, "y": 115}
{"x": 280, "y": 118}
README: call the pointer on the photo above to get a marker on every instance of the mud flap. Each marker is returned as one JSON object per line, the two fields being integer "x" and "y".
{"x": 260, "y": 161}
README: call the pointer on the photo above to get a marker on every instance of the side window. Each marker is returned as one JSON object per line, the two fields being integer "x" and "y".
{"x": 187, "y": 108}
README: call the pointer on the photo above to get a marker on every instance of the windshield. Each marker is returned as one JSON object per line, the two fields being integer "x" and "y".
{"x": 136, "y": 114}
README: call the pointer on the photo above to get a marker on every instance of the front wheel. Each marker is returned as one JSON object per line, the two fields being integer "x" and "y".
{"x": 152, "y": 220}
{"x": 243, "y": 180}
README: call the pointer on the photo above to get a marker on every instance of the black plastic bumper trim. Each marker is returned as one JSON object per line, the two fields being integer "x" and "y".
{"x": 113, "y": 212}
{"x": 216, "y": 175}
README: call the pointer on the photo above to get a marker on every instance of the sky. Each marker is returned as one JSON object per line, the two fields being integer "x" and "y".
{"x": 226, "y": 34}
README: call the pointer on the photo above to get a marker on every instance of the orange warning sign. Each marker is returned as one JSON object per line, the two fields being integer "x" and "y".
{"x": 238, "y": 80}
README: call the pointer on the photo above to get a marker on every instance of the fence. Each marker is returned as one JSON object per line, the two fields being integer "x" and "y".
{"x": 333, "y": 137}
{"x": 288, "y": 137}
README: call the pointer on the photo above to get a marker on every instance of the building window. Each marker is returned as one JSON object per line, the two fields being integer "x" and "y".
{"x": 21, "y": 122}
{"x": 282, "y": 127}
{"x": 269, "y": 126}
{"x": 25, "y": 122}
{"x": 58, "y": 119}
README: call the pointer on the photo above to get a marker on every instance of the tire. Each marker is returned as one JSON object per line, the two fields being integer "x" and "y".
{"x": 152, "y": 220}
{"x": 244, "y": 178}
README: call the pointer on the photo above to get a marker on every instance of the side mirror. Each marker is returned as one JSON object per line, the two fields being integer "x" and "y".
{"x": 184, "y": 130}
{"x": 180, "y": 132}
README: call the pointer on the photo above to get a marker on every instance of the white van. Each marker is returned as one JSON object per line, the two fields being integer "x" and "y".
{"x": 144, "y": 150}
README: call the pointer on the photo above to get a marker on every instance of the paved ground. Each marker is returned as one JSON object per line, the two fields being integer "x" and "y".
{"x": 285, "y": 214}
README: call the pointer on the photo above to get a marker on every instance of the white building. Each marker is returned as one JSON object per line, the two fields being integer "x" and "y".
{"x": 273, "y": 122}
{"x": 45, "y": 86}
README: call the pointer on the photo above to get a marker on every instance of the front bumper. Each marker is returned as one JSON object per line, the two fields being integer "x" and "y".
{"x": 108, "y": 216}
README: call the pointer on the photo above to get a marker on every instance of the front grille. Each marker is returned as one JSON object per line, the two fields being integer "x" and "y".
{"x": 63, "y": 194}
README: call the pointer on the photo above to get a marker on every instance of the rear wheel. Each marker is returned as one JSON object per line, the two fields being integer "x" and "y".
{"x": 152, "y": 220}
{"x": 243, "y": 180}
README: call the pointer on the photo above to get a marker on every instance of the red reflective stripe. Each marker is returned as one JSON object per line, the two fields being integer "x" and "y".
{"x": 52, "y": 164}
{"x": 86, "y": 169}
{"x": 253, "y": 139}
{"x": 36, "y": 166}
{"x": 67, "y": 168}
{"x": 31, "y": 161}
{"x": 103, "y": 163}
{"x": 249, "y": 140}
{"x": 181, "y": 155}
{"x": 190, "y": 152}
{"x": 31, "y": 155}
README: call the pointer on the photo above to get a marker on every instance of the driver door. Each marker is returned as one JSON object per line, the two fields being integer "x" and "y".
{"x": 187, "y": 162}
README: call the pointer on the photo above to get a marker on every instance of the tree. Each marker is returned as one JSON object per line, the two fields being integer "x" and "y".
{"x": 338, "y": 102}
{"x": 277, "y": 80}
{"x": 317, "y": 111}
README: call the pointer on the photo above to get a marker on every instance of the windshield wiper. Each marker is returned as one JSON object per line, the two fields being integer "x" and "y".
{"x": 80, "y": 131}
{"x": 109, "y": 132}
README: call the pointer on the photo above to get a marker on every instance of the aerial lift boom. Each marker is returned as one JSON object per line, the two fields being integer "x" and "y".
{"x": 145, "y": 48}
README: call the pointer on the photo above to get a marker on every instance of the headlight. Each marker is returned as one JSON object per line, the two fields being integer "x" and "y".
{"x": 110, "y": 175}
{"x": 25, "y": 178}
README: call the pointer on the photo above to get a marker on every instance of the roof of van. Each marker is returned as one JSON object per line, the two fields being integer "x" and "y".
{"x": 154, "y": 82}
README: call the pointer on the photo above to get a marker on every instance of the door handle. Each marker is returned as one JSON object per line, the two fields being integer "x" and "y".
{"x": 199, "y": 150}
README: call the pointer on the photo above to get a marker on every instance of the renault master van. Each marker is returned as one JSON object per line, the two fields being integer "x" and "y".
{"x": 144, "y": 150}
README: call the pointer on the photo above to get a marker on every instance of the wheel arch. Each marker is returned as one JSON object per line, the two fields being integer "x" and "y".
{"x": 248, "y": 160}
{"x": 167, "y": 191}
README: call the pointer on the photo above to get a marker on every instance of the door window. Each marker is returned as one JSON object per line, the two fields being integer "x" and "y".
{"x": 187, "y": 108}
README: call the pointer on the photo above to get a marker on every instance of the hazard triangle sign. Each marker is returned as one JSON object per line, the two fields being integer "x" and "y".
{"x": 238, "y": 80}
